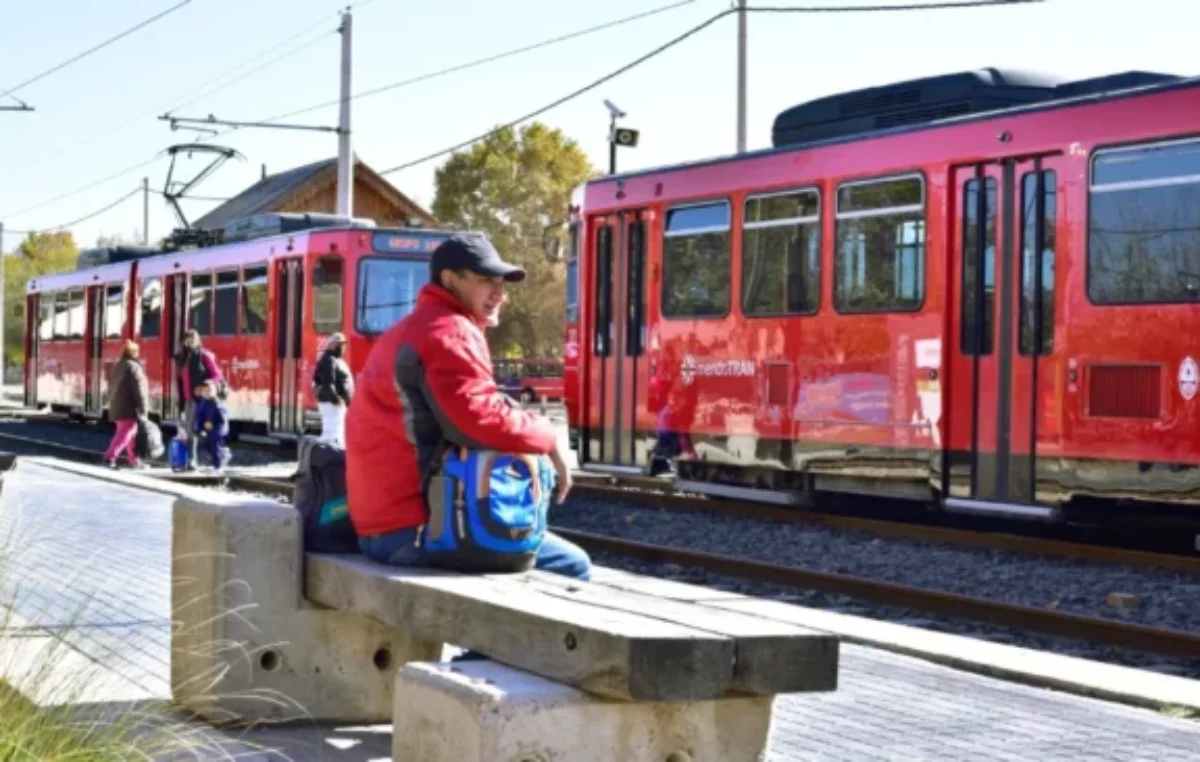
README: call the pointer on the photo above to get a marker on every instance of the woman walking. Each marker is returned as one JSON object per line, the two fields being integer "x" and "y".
{"x": 127, "y": 393}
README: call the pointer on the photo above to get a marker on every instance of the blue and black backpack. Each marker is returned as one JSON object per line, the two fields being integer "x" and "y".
{"x": 487, "y": 510}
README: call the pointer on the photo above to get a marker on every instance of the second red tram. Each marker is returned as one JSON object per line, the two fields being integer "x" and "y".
{"x": 264, "y": 307}
{"x": 996, "y": 311}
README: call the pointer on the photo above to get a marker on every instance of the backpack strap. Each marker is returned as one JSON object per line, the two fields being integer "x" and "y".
{"x": 488, "y": 458}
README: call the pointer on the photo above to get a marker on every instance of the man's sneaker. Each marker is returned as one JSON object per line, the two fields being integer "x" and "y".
{"x": 111, "y": 464}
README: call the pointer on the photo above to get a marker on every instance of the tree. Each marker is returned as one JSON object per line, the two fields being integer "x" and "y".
{"x": 118, "y": 239}
{"x": 38, "y": 254}
{"x": 510, "y": 187}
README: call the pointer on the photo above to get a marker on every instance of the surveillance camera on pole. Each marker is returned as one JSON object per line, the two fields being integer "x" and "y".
{"x": 617, "y": 136}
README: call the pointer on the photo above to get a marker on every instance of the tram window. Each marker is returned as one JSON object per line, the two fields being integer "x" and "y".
{"x": 254, "y": 301}
{"x": 781, "y": 254}
{"x": 387, "y": 291}
{"x": 62, "y": 315}
{"x": 75, "y": 315}
{"x": 114, "y": 312}
{"x": 225, "y": 304}
{"x": 602, "y": 338}
{"x": 696, "y": 269}
{"x": 572, "y": 290}
{"x": 970, "y": 252}
{"x": 1029, "y": 250}
{"x": 46, "y": 317}
{"x": 152, "y": 301}
{"x": 200, "y": 304}
{"x": 880, "y": 260}
{"x": 573, "y": 272}
{"x": 327, "y": 295}
{"x": 1144, "y": 224}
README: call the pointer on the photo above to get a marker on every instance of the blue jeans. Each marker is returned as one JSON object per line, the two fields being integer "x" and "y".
{"x": 557, "y": 556}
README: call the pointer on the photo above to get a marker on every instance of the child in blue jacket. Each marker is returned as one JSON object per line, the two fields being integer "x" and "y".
{"x": 212, "y": 424}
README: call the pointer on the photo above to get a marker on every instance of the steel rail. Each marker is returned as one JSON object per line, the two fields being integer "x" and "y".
{"x": 655, "y": 496}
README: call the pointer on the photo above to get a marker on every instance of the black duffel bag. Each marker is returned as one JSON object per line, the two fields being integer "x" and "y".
{"x": 320, "y": 496}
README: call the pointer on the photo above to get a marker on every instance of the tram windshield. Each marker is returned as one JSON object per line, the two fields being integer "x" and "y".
{"x": 387, "y": 291}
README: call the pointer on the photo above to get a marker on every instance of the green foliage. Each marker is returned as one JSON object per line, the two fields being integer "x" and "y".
{"x": 38, "y": 254}
{"x": 511, "y": 187}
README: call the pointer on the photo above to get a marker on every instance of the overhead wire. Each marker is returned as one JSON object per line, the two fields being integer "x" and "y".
{"x": 89, "y": 51}
{"x": 481, "y": 61}
{"x": 82, "y": 188}
{"x": 681, "y": 38}
{"x": 241, "y": 76}
{"x": 308, "y": 29}
{"x": 325, "y": 19}
{"x": 98, "y": 212}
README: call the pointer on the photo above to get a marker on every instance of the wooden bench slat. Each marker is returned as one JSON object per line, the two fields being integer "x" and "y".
{"x": 606, "y": 651}
{"x": 771, "y": 657}
{"x": 658, "y": 587}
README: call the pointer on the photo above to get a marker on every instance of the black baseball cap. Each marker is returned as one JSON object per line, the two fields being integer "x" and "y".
{"x": 474, "y": 253}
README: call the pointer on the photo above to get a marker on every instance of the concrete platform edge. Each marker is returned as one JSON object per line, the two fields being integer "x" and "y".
{"x": 1068, "y": 674}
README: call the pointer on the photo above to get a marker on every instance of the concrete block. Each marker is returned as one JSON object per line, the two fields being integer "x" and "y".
{"x": 487, "y": 712}
{"x": 247, "y": 646}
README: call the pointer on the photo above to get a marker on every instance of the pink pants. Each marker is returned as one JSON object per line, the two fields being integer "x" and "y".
{"x": 123, "y": 439}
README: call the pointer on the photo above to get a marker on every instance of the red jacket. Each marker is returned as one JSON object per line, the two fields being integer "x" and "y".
{"x": 427, "y": 377}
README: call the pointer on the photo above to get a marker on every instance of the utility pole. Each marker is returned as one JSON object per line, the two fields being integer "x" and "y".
{"x": 145, "y": 211}
{"x": 741, "y": 78}
{"x": 345, "y": 162}
{"x": 345, "y": 168}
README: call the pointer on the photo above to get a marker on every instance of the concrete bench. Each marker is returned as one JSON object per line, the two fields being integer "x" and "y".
{"x": 623, "y": 667}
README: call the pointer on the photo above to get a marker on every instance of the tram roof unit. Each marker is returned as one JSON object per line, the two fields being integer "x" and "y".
{"x": 938, "y": 101}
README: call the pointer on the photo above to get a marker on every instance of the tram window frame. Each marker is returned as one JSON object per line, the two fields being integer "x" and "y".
{"x": 144, "y": 311}
{"x": 1189, "y": 175}
{"x": 62, "y": 316}
{"x": 1028, "y": 224}
{"x": 193, "y": 304}
{"x": 328, "y": 327}
{"x": 724, "y": 232}
{"x": 249, "y": 272}
{"x": 46, "y": 323}
{"x": 841, "y": 303}
{"x": 969, "y": 222}
{"x": 76, "y": 314}
{"x": 812, "y": 267}
{"x": 572, "y": 274}
{"x": 227, "y": 281}
{"x": 602, "y": 311}
{"x": 363, "y": 284}
{"x": 114, "y": 310}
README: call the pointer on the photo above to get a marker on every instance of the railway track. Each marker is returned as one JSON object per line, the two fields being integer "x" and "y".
{"x": 1044, "y": 621}
{"x": 656, "y": 493}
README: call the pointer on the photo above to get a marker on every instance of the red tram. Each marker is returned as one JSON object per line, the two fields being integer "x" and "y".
{"x": 263, "y": 306}
{"x": 980, "y": 290}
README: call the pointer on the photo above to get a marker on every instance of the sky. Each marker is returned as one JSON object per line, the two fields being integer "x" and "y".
{"x": 95, "y": 132}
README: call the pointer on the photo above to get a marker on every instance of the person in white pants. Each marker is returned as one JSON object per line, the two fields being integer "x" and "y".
{"x": 334, "y": 388}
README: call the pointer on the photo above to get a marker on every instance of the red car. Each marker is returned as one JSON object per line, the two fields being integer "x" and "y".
{"x": 264, "y": 307}
{"x": 980, "y": 290}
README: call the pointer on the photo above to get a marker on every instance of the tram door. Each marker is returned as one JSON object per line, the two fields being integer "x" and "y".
{"x": 1004, "y": 381}
{"x": 617, "y": 370}
{"x": 176, "y": 321}
{"x": 36, "y": 318}
{"x": 288, "y": 315}
{"x": 93, "y": 402}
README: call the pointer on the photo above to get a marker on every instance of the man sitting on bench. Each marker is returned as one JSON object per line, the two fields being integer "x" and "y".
{"x": 427, "y": 379}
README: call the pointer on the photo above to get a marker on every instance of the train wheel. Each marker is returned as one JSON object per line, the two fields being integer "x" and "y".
{"x": 527, "y": 396}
